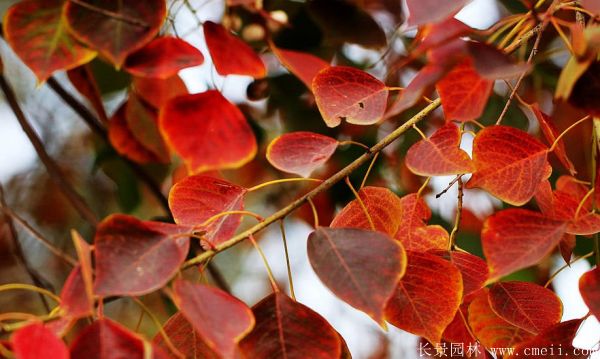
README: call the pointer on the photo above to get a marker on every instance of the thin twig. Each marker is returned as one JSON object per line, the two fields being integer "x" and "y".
{"x": 459, "y": 206}
{"x": 449, "y": 186}
{"x": 287, "y": 258}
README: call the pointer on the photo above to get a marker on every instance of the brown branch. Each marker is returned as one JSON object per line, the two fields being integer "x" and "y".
{"x": 325, "y": 185}
{"x": 56, "y": 175}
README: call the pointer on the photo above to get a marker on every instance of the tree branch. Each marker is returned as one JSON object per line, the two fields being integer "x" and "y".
{"x": 325, "y": 185}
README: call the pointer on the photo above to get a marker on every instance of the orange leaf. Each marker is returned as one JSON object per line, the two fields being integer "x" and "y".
{"x": 219, "y": 318}
{"x": 122, "y": 139}
{"x": 300, "y": 152}
{"x": 464, "y": 93}
{"x": 526, "y": 305}
{"x": 207, "y": 131}
{"x": 510, "y": 164}
{"x": 589, "y": 286}
{"x": 230, "y": 55}
{"x": 555, "y": 341}
{"x": 35, "y": 341}
{"x": 413, "y": 232}
{"x": 473, "y": 269}
{"x": 491, "y": 330}
{"x": 348, "y": 94}
{"x": 288, "y": 329}
{"x": 439, "y": 155}
{"x": 35, "y": 30}
{"x": 136, "y": 257}
{"x": 361, "y": 267}
{"x": 163, "y": 57}
{"x": 431, "y": 11}
{"x": 303, "y": 65}
{"x": 142, "y": 121}
{"x": 184, "y": 338}
{"x": 95, "y": 24}
{"x": 514, "y": 239}
{"x": 157, "y": 92}
{"x": 195, "y": 199}
{"x": 427, "y": 297}
{"x": 383, "y": 206}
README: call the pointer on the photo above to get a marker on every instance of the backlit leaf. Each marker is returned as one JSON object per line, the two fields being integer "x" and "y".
{"x": 35, "y": 30}
{"x": 427, "y": 297}
{"x": 300, "y": 152}
{"x": 425, "y": 79}
{"x": 589, "y": 287}
{"x": 413, "y": 232}
{"x": 35, "y": 341}
{"x": 124, "y": 142}
{"x": 464, "y": 93}
{"x": 195, "y": 199}
{"x": 510, "y": 164}
{"x": 303, "y": 65}
{"x": 494, "y": 64}
{"x": 473, "y": 269}
{"x": 157, "y": 92}
{"x": 231, "y": 55}
{"x": 434, "y": 35}
{"x": 514, "y": 239}
{"x": 490, "y": 329}
{"x": 163, "y": 57}
{"x": 383, "y": 206}
{"x": 142, "y": 121}
{"x": 115, "y": 29}
{"x": 526, "y": 305}
{"x": 207, "y": 131}
{"x": 348, "y": 94}
{"x": 361, "y": 267}
{"x": 439, "y": 155}
{"x": 219, "y": 318}
{"x": 184, "y": 338}
{"x": 430, "y": 11}
{"x": 289, "y": 329}
{"x": 74, "y": 297}
{"x": 556, "y": 340}
{"x": 135, "y": 257}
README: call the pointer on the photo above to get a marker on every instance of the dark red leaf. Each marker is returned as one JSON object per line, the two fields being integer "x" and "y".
{"x": 184, "y": 338}
{"x": 555, "y": 341}
{"x": 589, "y": 286}
{"x": 430, "y": 11}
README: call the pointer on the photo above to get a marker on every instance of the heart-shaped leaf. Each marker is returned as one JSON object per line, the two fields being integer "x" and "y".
{"x": 382, "y": 205}
{"x": 303, "y": 65}
{"x": 348, "y": 94}
{"x": 163, "y": 57}
{"x": 427, "y": 297}
{"x": 589, "y": 287}
{"x": 510, "y": 164}
{"x": 526, "y": 305}
{"x": 464, "y": 93}
{"x": 195, "y": 199}
{"x": 220, "y": 319}
{"x": 300, "y": 152}
{"x": 136, "y": 257}
{"x": 35, "y": 30}
{"x": 439, "y": 155}
{"x": 413, "y": 232}
{"x": 361, "y": 267}
{"x": 513, "y": 239}
{"x": 288, "y": 329}
{"x": 35, "y": 341}
{"x": 115, "y": 29}
{"x": 207, "y": 131}
{"x": 231, "y": 55}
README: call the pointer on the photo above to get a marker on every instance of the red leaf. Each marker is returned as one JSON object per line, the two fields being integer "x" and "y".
{"x": 514, "y": 239}
{"x": 473, "y": 270}
{"x": 591, "y": 5}
{"x": 207, "y": 131}
{"x": 427, "y": 297}
{"x": 122, "y": 139}
{"x": 34, "y": 29}
{"x": 438, "y": 34}
{"x": 94, "y": 24}
{"x": 510, "y": 164}
{"x": 230, "y": 55}
{"x": 303, "y": 65}
{"x": 195, "y": 199}
{"x": 163, "y": 57}
{"x": 413, "y": 232}
{"x": 464, "y": 93}
{"x": 105, "y": 339}
{"x": 589, "y": 286}
{"x": 157, "y": 92}
{"x": 300, "y": 152}
{"x": 74, "y": 296}
{"x": 551, "y": 133}
{"x": 555, "y": 340}
{"x": 526, "y": 305}
{"x": 566, "y": 246}
{"x": 492, "y": 63}
{"x": 289, "y": 329}
{"x": 83, "y": 80}
{"x": 348, "y": 94}
{"x": 35, "y": 341}
{"x": 136, "y": 257}
{"x": 184, "y": 338}
{"x": 491, "y": 330}
{"x": 425, "y": 78}
{"x": 383, "y": 206}
{"x": 440, "y": 154}
{"x": 361, "y": 267}
{"x": 429, "y": 11}
{"x": 142, "y": 122}
{"x": 219, "y": 318}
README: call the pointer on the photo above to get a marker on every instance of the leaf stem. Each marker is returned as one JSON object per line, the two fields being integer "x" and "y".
{"x": 265, "y": 262}
{"x": 553, "y": 276}
{"x": 314, "y": 212}
{"x": 556, "y": 141}
{"x": 581, "y": 203}
{"x": 31, "y": 288}
{"x": 423, "y": 136}
{"x": 361, "y": 203}
{"x": 158, "y": 325}
{"x": 227, "y": 213}
{"x": 350, "y": 142}
{"x": 364, "y": 181}
{"x": 287, "y": 258}
{"x": 282, "y": 180}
